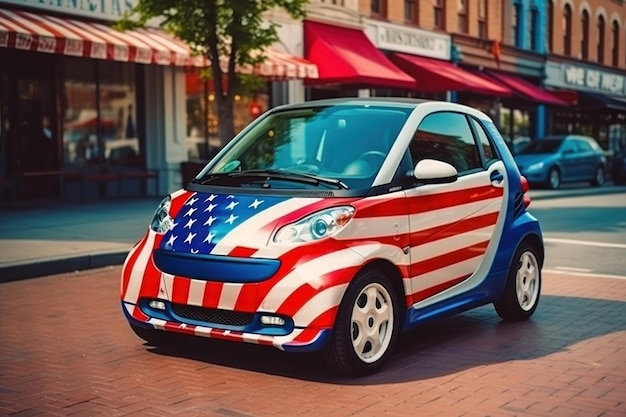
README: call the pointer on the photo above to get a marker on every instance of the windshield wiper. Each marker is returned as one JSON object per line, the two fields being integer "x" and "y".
{"x": 270, "y": 174}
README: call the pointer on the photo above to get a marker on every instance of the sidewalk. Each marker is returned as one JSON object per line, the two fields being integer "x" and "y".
{"x": 70, "y": 237}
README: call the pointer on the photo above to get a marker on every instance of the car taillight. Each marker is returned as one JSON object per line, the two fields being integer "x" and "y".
{"x": 525, "y": 188}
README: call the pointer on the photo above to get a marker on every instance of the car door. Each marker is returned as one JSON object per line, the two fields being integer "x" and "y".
{"x": 452, "y": 225}
{"x": 571, "y": 168}
{"x": 587, "y": 160}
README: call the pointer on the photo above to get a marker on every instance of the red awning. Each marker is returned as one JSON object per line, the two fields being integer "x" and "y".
{"x": 346, "y": 56}
{"x": 527, "y": 90}
{"x": 433, "y": 75}
{"x": 43, "y": 33}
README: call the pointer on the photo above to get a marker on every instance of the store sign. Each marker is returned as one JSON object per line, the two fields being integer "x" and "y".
{"x": 95, "y": 9}
{"x": 409, "y": 40}
{"x": 579, "y": 77}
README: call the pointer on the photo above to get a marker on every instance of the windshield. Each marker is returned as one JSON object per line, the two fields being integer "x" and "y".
{"x": 342, "y": 146}
{"x": 542, "y": 146}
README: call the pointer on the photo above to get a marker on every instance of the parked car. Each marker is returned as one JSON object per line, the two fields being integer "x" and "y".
{"x": 618, "y": 167}
{"x": 336, "y": 225}
{"x": 554, "y": 160}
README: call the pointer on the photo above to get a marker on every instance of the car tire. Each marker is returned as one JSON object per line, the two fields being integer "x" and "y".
{"x": 154, "y": 337}
{"x": 554, "y": 179}
{"x": 367, "y": 325}
{"x": 523, "y": 286}
{"x": 599, "y": 177}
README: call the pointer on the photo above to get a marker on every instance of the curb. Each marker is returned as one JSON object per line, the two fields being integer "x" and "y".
{"x": 40, "y": 268}
{"x": 546, "y": 195}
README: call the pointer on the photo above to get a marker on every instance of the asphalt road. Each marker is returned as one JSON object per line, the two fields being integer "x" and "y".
{"x": 584, "y": 234}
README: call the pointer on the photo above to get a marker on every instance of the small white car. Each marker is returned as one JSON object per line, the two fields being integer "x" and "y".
{"x": 336, "y": 225}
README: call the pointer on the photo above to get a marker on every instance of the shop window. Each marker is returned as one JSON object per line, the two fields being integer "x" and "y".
{"x": 100, "y": 119}
{"x": 203, "y": 139}
{"x": 440, "y": 15}
{"x": 567, "y": 30}
{"x": 584, "y": 43}
{"x": 411, "y": 11}
{"x": 462, "y": 15}
{"x": 601, "y": 28}
{"x": 482, "y": 19}
{"x": 615, "y": 49}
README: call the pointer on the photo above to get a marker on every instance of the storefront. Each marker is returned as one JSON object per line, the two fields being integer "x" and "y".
{"x": 87, "y": 111}
{"x": 523, "y": 114}
{"x": 597, "y": 98}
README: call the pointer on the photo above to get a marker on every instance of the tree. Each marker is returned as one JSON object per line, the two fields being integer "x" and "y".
{"x": 233, "y": 31}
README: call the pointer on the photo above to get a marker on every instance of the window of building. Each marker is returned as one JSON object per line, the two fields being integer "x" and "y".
{"x": 462, "y": 15}
{"x": 440, "y": 15}
{"x": 379, "y": 8}
{"x": 567, "y": 30}
{"x": 515, "y": 24}
{"x": 533, "y": 19}
{"x": 482, "y": 19}
{"x": 601, "y": 28}
{"x": 411, "y": 11}
{"x": 550, "y": 24}
{"x": 584, "y": 42}
{"x": 615, "y": 50}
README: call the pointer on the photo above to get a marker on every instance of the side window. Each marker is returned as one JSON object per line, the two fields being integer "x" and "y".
{"x": 569, "y": 146}
{"x": 584, "y": 146}
{"x": 446, "y": 136}
{"x": 489, "y": 151}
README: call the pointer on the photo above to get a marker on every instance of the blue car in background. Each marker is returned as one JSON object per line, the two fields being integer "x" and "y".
{"x": 554, "y": 160}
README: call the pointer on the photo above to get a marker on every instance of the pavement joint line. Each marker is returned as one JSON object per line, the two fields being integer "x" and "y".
{"x": 582, "y": 274}
{"x": 585, "y": 243}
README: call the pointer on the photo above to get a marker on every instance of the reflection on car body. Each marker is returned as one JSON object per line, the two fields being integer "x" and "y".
{"x": 336, "y": 225}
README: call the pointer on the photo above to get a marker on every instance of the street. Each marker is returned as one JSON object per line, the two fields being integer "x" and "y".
{"x": 67, "y": 350}
{"x": 585, "y": 234}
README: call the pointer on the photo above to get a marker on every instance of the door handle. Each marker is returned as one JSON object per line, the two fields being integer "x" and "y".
{"x": 496, "y": 178}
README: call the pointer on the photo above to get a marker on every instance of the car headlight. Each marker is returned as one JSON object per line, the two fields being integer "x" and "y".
{"x": 316, "y": 226}
{"x": 534, "y": 167}
{"x": 161, "y": 221}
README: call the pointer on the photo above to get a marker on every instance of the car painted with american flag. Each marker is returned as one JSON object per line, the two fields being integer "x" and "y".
{"x": 336, "y": 225}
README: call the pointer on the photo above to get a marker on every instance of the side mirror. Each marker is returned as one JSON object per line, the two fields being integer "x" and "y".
{"x": 433, "y": 171}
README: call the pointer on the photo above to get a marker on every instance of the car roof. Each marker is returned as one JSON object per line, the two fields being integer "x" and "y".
{"x": 407, "y": 102}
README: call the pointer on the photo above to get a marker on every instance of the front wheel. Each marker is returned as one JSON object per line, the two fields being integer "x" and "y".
{"x": 523, "y": 287}
{"x": 367, "y": 325}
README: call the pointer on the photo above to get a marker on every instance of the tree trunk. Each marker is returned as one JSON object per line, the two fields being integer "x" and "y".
{"x": 226, "y": 122}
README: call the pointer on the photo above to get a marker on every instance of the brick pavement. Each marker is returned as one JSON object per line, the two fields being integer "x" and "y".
{"x": 65, "y": 349}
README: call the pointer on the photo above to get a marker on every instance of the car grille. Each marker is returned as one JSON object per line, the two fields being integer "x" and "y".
{"x": 213, "y": 316}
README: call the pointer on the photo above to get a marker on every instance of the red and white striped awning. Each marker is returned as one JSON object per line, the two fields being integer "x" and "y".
{"x": 277, "y": 65}
{"x": 43, "y": 33}
{"x": 29, "y": 31}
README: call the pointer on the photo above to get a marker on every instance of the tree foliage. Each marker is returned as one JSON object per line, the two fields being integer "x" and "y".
{"x": 233, "y": 31}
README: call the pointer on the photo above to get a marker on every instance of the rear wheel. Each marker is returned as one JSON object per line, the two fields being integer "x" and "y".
{"x": 367, "y": 325}
{"x": 523, "y": 286}
{"x": 154, "y": 337}
{"x": 599, "y": 177}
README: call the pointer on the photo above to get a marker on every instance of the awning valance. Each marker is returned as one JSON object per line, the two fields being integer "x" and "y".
{"x": 29, "y": 31}
{"x": 345, "y": 56}
{"x": 527, "y": 90}
{"x": 44, "y": 33}
{"x": 434, "y": 75}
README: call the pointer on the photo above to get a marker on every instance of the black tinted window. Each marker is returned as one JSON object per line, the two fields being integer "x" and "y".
{"x": 447, "y": 137}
